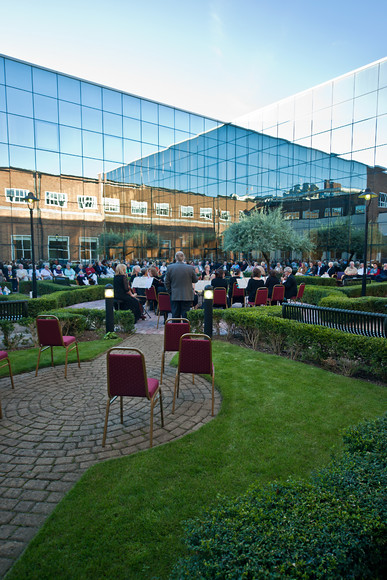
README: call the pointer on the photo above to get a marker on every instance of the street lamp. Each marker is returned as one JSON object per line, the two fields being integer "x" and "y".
{"x": 109, "y": 308}
{"x": 208, "y": 296}
{"x": 31, "y": 200}
{"x": 367, "y": 195}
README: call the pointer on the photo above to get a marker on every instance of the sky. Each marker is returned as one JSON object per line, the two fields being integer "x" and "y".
{"x": 219, "y": 58}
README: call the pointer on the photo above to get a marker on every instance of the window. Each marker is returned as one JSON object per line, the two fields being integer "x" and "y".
{"x": 206, "y": 213}
{"x": 21, "y": 247}
{"x": 139, "y": 207}
{"x": 186, "y": 211}
{"x": 88, "y": 249}
{"x": 111, "y": 204}
{"x": 291, "y": 215}
{"x": 333, "y": 212}
{"x": 225, "y": 215}
{"x": 54, "y": 198}
{"x": 162, "y": 209}
{"x": 58, "y": 247}
{"x": 16, "y": 195}
{"x": 359, "y": 209}
{"x": 87, "y": 202}
{"x": 311, "y": 214}
{"x": 382, "y": 199}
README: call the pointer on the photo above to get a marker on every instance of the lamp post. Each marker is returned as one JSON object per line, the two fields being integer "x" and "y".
{"x": 367, "y": 195}
{"x": 31, "y": 200}
{"x": 208, "y": 297}
{"x": 109, "y": 308}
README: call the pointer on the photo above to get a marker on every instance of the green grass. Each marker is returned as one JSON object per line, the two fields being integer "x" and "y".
{"x": 279, "y": 418}
{"x": 23, "y": 361}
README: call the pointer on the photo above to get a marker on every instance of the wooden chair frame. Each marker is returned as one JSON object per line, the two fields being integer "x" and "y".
{"x": 3, "y": 363}
{"x": 193, "y": 336}
{"x": 69, "y": 348}
{"x": 157, "y": 397}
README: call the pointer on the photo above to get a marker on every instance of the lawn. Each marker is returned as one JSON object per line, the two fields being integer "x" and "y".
{"x": 279, "y": 418}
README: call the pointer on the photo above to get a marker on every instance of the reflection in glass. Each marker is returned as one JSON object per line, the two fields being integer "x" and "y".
{"x": 69, "y": 89}
{"x": 3, "y": 128}
{"x": 69, "y": 114}
{"x": 91, "y": 95}
{"x": 149, "y": 111}
{"x": 365, "y": 107}
{"x": 45, "y": 108}
{"x": 343, "y": 89}
{"x": 19, "y": 102}
{"x": 2, "y": 72}
{"x": 113, "y": 149}
{"x": 92, "y": 144}
{"x": 131, "y": 128}
{"x": 112, "y": 124}
{"x": 22, "y": 157}
{"x": 131, "y": 106}
{"x": 92, "y": 167}
{"x": 18, "y": 75}
{"x": 46, "y": 135}
{"x": 382, "y": 101}
{"x": 112, "y": 101}
{"x": 166, "y": 116}
{"x": 132, "y": 150}
{"x": 2, "y": 98}
{"x": 383, "y": 74}
{"x": 44, "y": 82}
{"x": 322, "y": 96}
{"x": 364, "y": 134}
{"x": 92, "y": 119}
{"x": 149, "y": 133}
{"x": 181, "y": 121}
{"x": 47, "y": 162}
{"x": 366, "y": 80}
{"x": 381, "y": 135}
{"x": 342, "y": 114}
{"x": 4, "y": 156}
{"x": 70, "y": 140}
{"x": 21, "y": 131}
{"x": 70, "y": 165}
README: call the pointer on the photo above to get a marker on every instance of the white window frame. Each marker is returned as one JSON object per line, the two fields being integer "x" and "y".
{"x": 187, "y": 211}
{"x": 314, "y": 214}
{"x": 111, "y": 204}
{"x": 162, "y": 209}
{"x": 225, "y": 215}
{"x": 17, "y": 238}
{"x": 138, "y": 207}
{"x": 83, "y": 241}
{"x": 291, "y": 215}
{"x": 382, "y": 202}
{"x": 64, "y": 256}
{"x": 15, "y": 195}
{"x": 206, "y": 213}
{"x": 55, "y": 198}
{"x": 87, "y": 202}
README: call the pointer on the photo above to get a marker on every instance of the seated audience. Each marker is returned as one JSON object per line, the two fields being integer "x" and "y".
{"x": 254, "y": 283}
{"x": 350, "y": 270}
{"x": 290, "y": 283}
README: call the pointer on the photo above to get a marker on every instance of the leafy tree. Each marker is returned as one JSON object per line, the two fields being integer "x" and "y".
{"x": 339, "y": 238}
{"x": 264, "y": 232}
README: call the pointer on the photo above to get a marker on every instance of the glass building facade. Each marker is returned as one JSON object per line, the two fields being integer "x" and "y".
{"x": 119, "y": 175}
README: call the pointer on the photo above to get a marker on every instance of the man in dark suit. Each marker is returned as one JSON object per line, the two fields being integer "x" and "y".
{"x": 290, "y": 283}
{"x": 178, "y": 282}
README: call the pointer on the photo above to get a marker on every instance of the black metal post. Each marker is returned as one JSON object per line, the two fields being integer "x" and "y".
{"x": 208, "y": 300}
{"x": 109, "y": 308}
{"x": 34, "y": 284}
{"x": 364, "y": 278}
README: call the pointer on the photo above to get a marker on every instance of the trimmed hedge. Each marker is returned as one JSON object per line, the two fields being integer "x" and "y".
{"x": 373, "y": 289}
{"x": 313, "y": 294}
{"x": 362, "y": 304}
{"x": 316, "y": 281}
{"x": 64, "y": 298}
{"x": 333, "y": 526}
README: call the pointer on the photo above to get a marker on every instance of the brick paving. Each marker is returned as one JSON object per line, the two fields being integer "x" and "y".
{"x": 51, "y": 432}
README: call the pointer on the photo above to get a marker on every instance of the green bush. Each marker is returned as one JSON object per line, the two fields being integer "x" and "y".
{"x": 63, "y": 298}
{"x": 73, "y": 324}
{"x": 373, "y": 289}
{"x": 313, "y": 294}
{"x": 104, "y": 281}
{"x": 331, "y": 527}
{"x": 316, "y": 281}
{"x": 362, "y": 304}
{"x": 125, "y": 320}
{"x": 231, "y": 316}
{"x": 41, "y": 305}
{"x": 94, "y": 317}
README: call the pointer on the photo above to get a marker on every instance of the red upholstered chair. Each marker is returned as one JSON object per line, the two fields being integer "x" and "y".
{"x": 260, "y": 297}
{"x": 300, "y": 293}
{"x": 50, "y": 335}
{"x": 164, "y": 305}
{"x": 126, "y": 377}
{"x": 172, "y": 333}
{"x": 278, "y": 294}
{"x": 195, "y": 357}
{"x": 5, "y": 362}
{"x": 238, "y": 294}
{"x": 151, "y": 296}
{"x": 220, "y": 298}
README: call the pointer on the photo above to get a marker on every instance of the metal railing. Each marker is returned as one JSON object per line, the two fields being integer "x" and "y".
{"x": 13, "y": 309}
{"x": 352, "y": 321}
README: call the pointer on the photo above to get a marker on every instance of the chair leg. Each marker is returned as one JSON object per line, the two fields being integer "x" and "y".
{"x": 213, "y": 395}
{"x": 175, "y": 391}
{"x": 162, "y": 367}
{"x": 161, "y": 408}
{"x": 37, "y": 366}
{"x": 10, "y": 372}
{"x": 151, "y": 422}
{"x": 52, "y": 356}
{"x": 67, "y": 354}
{"x": 106, "y": 423}
{"x": 79, "y": 362}
{"x": 122, "y": 409}
{"x": 158, "y": 319}
{"x": 193, "y": 379}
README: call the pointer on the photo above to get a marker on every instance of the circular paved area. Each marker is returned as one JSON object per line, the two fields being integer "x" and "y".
{"x": 51, "y": 432}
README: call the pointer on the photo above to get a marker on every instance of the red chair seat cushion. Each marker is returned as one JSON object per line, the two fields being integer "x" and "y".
{"x": 3, "y": 354}
{"x": 153, "y": 385}
{"x": 68, "y": 340}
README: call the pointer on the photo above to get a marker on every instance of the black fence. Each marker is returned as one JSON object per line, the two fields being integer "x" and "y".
{"x": 353, "y": 321}
{"x": 13, "y": 309}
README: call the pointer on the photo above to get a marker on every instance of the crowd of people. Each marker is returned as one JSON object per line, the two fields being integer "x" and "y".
{"x": 179, "y": 277}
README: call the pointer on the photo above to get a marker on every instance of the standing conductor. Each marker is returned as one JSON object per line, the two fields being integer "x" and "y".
{"x": 178, "y": 282}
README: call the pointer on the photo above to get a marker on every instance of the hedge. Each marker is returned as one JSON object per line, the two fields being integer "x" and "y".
{"x": 333, "y": 526}
{"x": 313, "y": 294}
{"x": 64, "y": 298}
{"x": 373, "y": 289}
{"x": 363, "y": 304}
{"x": 338, "y": 351}
{"x": 316, "y": 281}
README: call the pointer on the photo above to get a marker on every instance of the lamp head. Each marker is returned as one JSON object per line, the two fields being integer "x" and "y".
{"x": 208, "y": 293}
{"x": 31, "y": 199}
{"x": 109, "y": 291}
{"x": 367, "y": 194}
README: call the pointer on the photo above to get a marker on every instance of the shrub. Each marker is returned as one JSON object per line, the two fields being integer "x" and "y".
{"x": 124, "y": 319}
{"x": 363, "y": 304}
{"x": 313, "y": 294}
{"x": 373, "y": 289}
{"x": 316, "y": 281}
{"x": 331, "y": 527}
{"x": 95, "y": 318}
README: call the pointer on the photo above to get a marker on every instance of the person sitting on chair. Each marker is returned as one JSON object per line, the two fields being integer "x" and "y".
{"x": 254, "y": 283}
{"x": 122, "y": 291}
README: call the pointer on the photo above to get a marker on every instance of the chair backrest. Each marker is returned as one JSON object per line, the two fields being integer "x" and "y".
{"x": 195, "y": 354}
{"x": 237, "y": 291}
{"x": 150, "y": 293}
{"x": 300, "y": 291}
{"x": 261, "y": 296}
{"x": 126, "y": 373}
{"x": 49, "y": 330}
{"x": 174, "y": 330}
{"x": 164, "y": 302}
{"x": 278, "y": 292}
{"x": 220, "y": 297}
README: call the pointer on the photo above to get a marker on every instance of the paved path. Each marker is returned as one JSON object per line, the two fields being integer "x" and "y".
{"x": 51, "y": 432}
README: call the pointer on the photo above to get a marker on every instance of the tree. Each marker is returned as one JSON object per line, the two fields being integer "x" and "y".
{"x": 265, "y": 232}
{"x": 340, "y": 237}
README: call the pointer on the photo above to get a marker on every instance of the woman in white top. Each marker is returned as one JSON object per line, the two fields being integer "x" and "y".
{"x": 69, "y": 272}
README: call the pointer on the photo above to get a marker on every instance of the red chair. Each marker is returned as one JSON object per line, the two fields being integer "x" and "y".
{"x": 278, "y": 294}
{"x": 50, "y": 335}
{"x": 172, "y": 334}
{"x": 238, "y": 294}
{"x": 151, "y": 296}
{"x": 126, "y": 377}
{"x": 5, "y": 362}
{"x": 164, "y": 305}
{"x": 300, "y": 293}
{"x": 195, "y": 357}
{"x": 260, "y": 297}
{"x": 220, "y": 298}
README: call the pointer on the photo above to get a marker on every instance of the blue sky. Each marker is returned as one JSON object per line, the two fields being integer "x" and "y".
{"x": 221, "y": 58}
